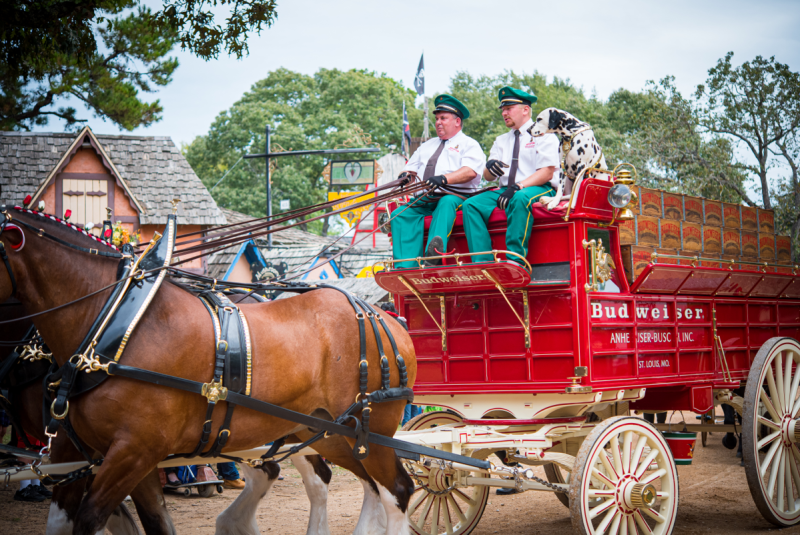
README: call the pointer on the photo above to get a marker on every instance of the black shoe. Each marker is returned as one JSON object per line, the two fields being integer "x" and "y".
{"x": 505, "y": 491}
{"x": 436, "y": 244}
{"x": 42, "y": 490}
{"x": 28, "y": 494}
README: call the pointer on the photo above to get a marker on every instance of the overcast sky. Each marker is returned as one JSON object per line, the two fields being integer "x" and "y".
{"x": 599, "y": 45}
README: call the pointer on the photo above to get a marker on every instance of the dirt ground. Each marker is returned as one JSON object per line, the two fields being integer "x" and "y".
{"x": 714, "y": 498}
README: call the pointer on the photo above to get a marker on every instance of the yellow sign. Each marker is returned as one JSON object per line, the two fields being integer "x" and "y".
{"x": 369, "y": 272}
{"x": 349, "y": 215}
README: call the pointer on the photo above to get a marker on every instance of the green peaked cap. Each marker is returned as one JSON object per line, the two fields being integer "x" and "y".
{"x": 451, "y": 104}
{"x": 509, "y": 96}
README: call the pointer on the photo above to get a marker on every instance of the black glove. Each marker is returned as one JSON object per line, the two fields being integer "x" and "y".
{"x": 495, "y": 168}
{"x": 437, "y": 180}
{"x": 505, "y": 197}
{"x": 405, "y": 177}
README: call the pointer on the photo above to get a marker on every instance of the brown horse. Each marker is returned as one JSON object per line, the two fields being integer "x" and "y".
{"x": 305, "y": 358}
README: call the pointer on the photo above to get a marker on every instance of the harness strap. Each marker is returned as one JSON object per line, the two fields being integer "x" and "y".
{"x": 44, "y": 234}
{"x": 4, "y": 255}
{"x": 287, "y": 414}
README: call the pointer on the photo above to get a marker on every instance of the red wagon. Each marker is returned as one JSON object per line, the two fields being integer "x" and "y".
{"x": 546, "y": 364}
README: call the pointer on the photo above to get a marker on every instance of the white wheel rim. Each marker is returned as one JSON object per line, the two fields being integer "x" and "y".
{"x": 777, "y": 455}
{"x": 627, "y": 453}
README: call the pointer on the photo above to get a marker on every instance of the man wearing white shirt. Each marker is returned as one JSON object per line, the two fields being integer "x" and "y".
{"x": 453, "y": 162}
{"x": 527, "y": 168}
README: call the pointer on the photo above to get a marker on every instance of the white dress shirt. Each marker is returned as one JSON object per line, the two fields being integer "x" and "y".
{"x": 459, "y": 151}
{"x": 534, "y": 153}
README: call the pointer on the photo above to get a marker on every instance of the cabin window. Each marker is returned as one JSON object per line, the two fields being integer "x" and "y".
{"x": 87, "y": 196}
{"x": 611, "y": 285}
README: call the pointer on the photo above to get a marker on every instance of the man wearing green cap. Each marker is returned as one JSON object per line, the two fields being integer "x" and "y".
{"x": 453, "y": 162}
{"x": 527, "y": 168}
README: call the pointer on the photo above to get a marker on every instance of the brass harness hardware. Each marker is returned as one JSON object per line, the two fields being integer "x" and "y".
{"x": 214, "y": 392}
{"x": 601, "y": 263}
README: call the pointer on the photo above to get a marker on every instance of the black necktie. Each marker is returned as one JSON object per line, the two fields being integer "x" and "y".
{"x": 430, "y": 168}
{"x": 512, "y": 173}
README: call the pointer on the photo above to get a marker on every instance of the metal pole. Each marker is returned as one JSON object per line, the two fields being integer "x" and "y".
{"x": 425, "y": 132}
{"x": 269, "y": 189}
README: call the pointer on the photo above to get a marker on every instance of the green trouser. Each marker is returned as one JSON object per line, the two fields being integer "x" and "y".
{"x": 476, "y": 211}
{"x": 408, "y": 226}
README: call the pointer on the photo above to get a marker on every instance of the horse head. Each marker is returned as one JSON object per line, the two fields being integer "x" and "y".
{"x": 45, "y": 267}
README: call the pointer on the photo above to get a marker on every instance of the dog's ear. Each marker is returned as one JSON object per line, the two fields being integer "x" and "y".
{"x": 555, "y": 119}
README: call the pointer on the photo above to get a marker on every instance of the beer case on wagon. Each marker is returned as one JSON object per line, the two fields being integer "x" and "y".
{"x": 546, "y": 361}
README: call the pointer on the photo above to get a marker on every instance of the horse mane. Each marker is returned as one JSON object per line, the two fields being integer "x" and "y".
{"x": 54, "y": 222}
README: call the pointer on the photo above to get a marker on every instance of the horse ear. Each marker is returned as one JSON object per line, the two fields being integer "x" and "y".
{"x": 555, "y": 119}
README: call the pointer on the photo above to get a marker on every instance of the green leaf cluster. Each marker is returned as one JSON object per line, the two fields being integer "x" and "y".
{"x": 331, "y": 109}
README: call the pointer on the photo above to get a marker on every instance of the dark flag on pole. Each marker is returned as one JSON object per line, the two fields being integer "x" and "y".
{"x": 419, "y": 79}
{"x": 406, "y": 133}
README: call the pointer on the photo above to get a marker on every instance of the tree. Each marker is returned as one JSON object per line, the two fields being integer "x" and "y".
{"x": 757, "y": 105}
{"x": 105, "y": 52}
{"x": 331, "y": 109}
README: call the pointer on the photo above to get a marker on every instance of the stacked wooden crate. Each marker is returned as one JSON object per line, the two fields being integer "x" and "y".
{"x": 675, "y": 224}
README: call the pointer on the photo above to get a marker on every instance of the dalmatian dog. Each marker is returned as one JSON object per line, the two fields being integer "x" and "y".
{"x": 583, "y": 150}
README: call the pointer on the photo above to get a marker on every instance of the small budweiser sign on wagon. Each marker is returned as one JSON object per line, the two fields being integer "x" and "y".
{"x": 692, "y": 237}
{"x": 712, "y": 240}
{"x": 651, "y": 202}
{"x": 749, "y": 219}
{"x": 647, "y": 230}
{"x": 693, "y": 208}
{"x": 671, "y": 234}
{"x": 713, "y": 212}
{"x": 750, "y": 244}
{"x": 673, "y": 206}
{"x": 731, "y": 215}
{"x": 731, "y": 242}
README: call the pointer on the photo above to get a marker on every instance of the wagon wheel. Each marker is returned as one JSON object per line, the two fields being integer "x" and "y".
{"x": 436, "y": 506}
{"x": 771, "y": 431}
{"x": 625, "y": 463}
{"x": 206, "y": 491}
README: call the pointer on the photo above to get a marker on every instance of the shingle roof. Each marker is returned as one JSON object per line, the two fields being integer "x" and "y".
{"x": 365, "y": 288}
{"x": 153, "y": 167}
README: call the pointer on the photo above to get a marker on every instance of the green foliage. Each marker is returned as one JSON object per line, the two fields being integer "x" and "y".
{"x": 331, "y": 109}
{"x": 106, "y": 52}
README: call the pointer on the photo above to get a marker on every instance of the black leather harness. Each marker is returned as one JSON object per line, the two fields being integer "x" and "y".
{"x": 102, "y": 347}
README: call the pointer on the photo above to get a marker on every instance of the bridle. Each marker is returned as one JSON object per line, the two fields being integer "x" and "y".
{"x": 18, "y": 223}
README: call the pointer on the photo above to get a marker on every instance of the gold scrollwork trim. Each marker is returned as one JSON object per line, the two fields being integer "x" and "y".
{"x": 249, "y": 353}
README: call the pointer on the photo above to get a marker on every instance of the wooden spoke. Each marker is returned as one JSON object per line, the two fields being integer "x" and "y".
{"x": 425, "y": 511}
{"x": 603, "y": 478}
{"x": 768, "y": 423}
{"x": 437, "y": 502}
{"x": 652, "y": 477}
{"x": 615, "y": 454}
{"x": 600, "y": 508}
{"x": 610, "y": 516}
{"x": 787, "y": 481}
{"x": 614, "y": 529}
{"x": 456, "y": 509}
{"x": 787, "y": 381}
{"x": 795, "y": 472}
{"x": 661, "y": 494}
{"x": 448, "y": 524}
{"x": 773, "y": 475}
{"x": 767, "y": 439}
{"x": 777, "y": 396}
{"x": 781, "y": 481}
{"x": 637, "y": 454}
{"x": 421, "y": 495}
{"x": 469, "y": 501}
{"x": 623, "y": 525}
{"x": 646, "y": 463}
{"x": 768, "y": 458}
{"x": 765, "y": 399}
{"x": 611, "y": 474}
{"x": 593, "y": 493}
{"x": 632, "y": 526}
{"x": 640, "y": 521}
{"x": 627, "y": 443}
{"x": 652, "y": 513}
